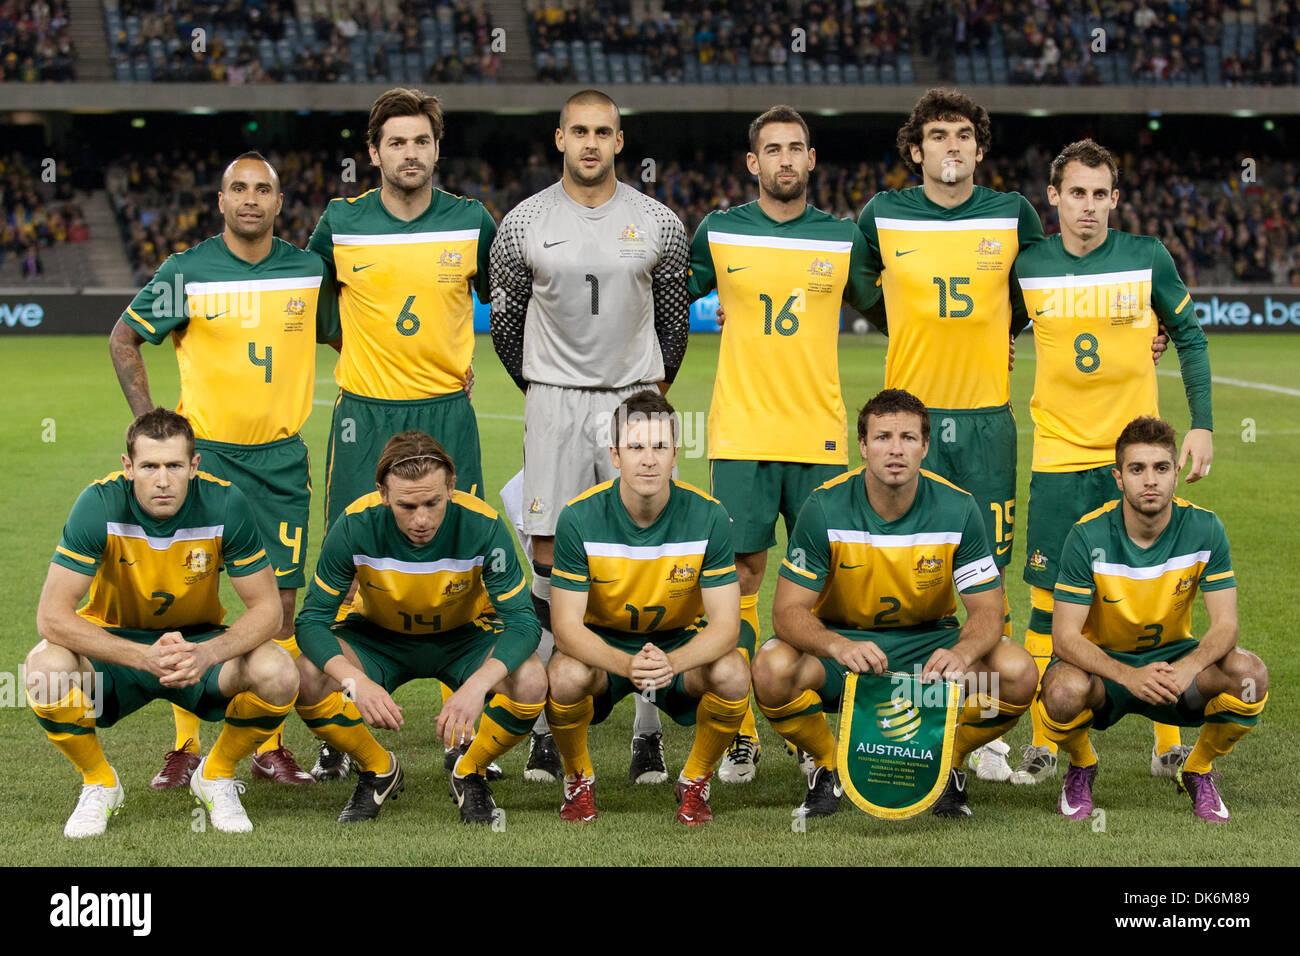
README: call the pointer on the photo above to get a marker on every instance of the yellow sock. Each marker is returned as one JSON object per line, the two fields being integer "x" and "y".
{"x": 290, "y": 644}
{"x": 802, "y": 722}
{"x": 446, "y": 693}
{"x": 71, "y": 727}
{"x": 748, "y": 727}
{"x": 983, "y": 718}
{"x": 249, "y": 721}
{"x": 1072, "y": 738}
{"x": 1167, "y": 737}
{"x": 337, "y": 721}
{"x": 716, "y": 722}
{"x": 1006, "y": 615}
{"x": 569, "y": 723}
{"x": 187, "y": 729}
{"x": 1038, "y": 642}
{"x": 1227, "y": 720}
{"x": 504, "y": 723}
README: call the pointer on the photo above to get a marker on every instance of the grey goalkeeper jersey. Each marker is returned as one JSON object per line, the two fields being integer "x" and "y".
{"x": 590, "y": 298}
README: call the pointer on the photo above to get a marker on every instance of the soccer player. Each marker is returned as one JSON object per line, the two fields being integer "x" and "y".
{"x": 589, "y": 307}
{"x": 1095, "y": 295}
{"x": 441, "y": 595}
{"x": 776, "y": 427}
{"x": 148, "y": 543}
{"x": 870, "y": 583}
{"x": 245, "y": 311}
{"x": 407, "y": 259}
{"x": 640, "y": 562}
{"x": 1145, "y": 557}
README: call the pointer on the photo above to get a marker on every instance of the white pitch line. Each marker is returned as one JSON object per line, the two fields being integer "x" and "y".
{"x": 1218, "y": 380}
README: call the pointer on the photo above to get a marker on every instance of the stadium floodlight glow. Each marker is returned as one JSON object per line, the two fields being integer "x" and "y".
{"x": 199, "y": 111}
{"x": 1244, "y": 114}
{"x": 137, "y": 122}
{"x": 1153, "y": 124}
{"x": 828, "y": 112}
{"x": 1269, "y": 125}
{"x": 346, "y": 134}
{"x": 1038, "y": 113}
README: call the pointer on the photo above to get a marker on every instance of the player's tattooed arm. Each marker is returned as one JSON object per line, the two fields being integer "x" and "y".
{"x": 511, "y": 282}
{"x": 124, "y": 347}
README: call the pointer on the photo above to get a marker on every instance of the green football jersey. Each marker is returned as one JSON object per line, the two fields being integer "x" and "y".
{"x": 875, "y": 574}
{"x": 245, "y": 336}
{"x": 946, "y": 275}
{"x": 781, "y": 286}
{"x": 467, "y": 571}
{"x": 643, "y": 580}
{"x": 1146, "y": 593}
{"x": 159, "y": 575}
{"x": 405, "y": 292}
{"x": 1094, "y": 317}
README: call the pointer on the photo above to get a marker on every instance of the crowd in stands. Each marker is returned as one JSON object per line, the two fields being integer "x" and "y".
{"x": 1053, "y": 42}
{"x": 1218, "y": 227}
{"x": 725, "y": 32}
{"x": 35, "y": 213}
{"x": 265, "y": 42}
{"x": 34, "y": 42}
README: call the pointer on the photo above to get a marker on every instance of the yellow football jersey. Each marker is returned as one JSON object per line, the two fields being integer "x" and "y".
{"x": 245, "y": 336}
{"x": 1141, "y": 598}
{"x": 777, "y": 396}
{"x": 159, "y": 575}
{"x": 945, "y": 276}
{"x": 406, "y": 299}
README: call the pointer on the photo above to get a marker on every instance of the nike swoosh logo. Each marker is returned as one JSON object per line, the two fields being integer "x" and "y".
{"x": 375, "y": 586}
{"x": 560, "y": 242}
{"x": 849, "y": 567}
{"x": 217, "y": 316}
{"x": 126, "y": 562}
{"x": 1221, "y": 811}
{"x": 1065, "y": 806}
{"x": 599, "y": 581}
{"x": 280, "y": 574}
{"x": 730, "y": 269}
{"x": 903, "y": 252}
{"x": 1004, "y": 550}
{"x": 1109, "y": 601}
{"x": 1040, "y": 311}
{"x": 366, "y": 266}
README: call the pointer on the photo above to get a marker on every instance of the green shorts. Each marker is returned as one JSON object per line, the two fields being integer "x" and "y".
{"x": 124, "y": 690}
{"x": 672, "y": 700}
{"x": 361, "y": 428}
{"x": 391, "y": 659}
{"x": 975, "y": 449}
{"x": 1119, "y": 701}
{"x": 1056, "y": 501}
{"x": 756, "y": 492}
{"x": 276, "y": 480}
{"x": 905, "y": 648}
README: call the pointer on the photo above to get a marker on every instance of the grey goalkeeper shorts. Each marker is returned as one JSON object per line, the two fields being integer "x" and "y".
{"x": 566, "y": 447}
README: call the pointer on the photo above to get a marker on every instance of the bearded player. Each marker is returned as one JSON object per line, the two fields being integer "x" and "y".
{"x": 776, "y": 428}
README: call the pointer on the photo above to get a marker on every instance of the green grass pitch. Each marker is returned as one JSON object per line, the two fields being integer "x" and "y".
{"x": 64, "y": 428}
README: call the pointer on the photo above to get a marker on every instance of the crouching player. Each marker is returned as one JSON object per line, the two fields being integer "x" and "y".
{"x": 870, "y": 583}
{"x": 148, "y": 543}
{"x": 640, "y": 562}
{"x": 1145, "y": 556}
{"x": 440, "y": 594}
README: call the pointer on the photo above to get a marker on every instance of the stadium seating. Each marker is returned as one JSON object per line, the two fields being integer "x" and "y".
{"x": 150, "y": 40}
